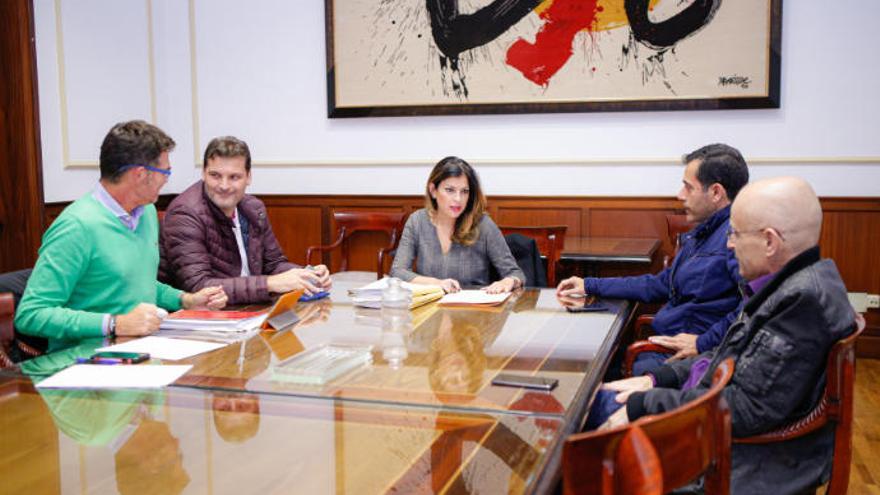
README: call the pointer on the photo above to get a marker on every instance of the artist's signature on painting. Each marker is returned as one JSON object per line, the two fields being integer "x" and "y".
{"x": 734, "y": 80}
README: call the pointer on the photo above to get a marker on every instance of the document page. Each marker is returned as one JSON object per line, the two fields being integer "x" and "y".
{"x": 476, "y": 297}
{"x": 115, "y": 376}
{"x": 164, "y": 348}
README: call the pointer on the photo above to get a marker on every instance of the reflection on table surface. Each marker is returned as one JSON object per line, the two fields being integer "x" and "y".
{"x": 433, "y": 355}
{"x": 190, "y": 440}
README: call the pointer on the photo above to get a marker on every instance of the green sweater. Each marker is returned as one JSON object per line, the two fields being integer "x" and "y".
{"x": 90, "y": 264}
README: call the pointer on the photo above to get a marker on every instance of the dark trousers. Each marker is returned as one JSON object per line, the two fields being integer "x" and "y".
{"x": 603, "y": 407}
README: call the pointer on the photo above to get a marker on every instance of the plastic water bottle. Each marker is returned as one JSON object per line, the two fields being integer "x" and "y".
{"x": 394, "y": 295}
{"x": 396, "y": 322}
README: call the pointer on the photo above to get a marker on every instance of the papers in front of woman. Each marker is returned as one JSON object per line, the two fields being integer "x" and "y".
{"x": 473, "y": 298}
{"x": 370, "y": 295}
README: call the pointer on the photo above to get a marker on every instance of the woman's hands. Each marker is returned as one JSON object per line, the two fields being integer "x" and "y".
{"x": 507, "y": 284}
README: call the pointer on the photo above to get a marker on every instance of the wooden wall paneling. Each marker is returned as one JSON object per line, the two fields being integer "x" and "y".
{"x": 297, "y": 228}
{"x": 852, "y": 239}
{"x": 21, "y": 188}
{"x": 851, "y": 236}
{"x": 622, "y": 220}
{"x": 521, "y": 216}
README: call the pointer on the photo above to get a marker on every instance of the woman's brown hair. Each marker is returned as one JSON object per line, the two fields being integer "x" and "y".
{"x": 467, "y": 225}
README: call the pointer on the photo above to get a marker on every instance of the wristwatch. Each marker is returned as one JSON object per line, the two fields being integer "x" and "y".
{"x": 112, "y": 332}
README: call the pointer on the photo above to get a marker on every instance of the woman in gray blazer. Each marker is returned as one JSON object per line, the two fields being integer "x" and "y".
{"x": 452, "y": 239}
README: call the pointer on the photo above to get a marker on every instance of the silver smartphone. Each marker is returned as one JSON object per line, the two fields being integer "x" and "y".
{"x": 537, "y": 382}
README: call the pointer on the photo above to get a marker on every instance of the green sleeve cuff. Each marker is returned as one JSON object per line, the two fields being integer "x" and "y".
{"x": 168, "y": 297}
{"x": 92, "y": 324}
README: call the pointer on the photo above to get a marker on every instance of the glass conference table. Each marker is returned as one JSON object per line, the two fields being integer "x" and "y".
{"x": 422, "y": 417}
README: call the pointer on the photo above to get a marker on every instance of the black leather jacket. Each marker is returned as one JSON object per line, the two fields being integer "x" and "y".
{"x": 780, "y": 343}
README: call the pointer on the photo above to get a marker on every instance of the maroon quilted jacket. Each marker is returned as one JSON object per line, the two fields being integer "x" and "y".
{"x": 198, "y": 247}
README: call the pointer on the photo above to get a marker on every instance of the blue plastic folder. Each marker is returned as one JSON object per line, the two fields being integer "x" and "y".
{"x": 315, "y": 296}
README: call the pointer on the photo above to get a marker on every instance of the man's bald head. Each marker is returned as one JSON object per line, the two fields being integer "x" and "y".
{"x": 784, "y": 210}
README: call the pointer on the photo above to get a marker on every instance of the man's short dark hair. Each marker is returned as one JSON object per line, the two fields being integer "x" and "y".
{"x": 228, "y": 147}
{"x": 132, "y": 143}
{"x": 722, "y": 164}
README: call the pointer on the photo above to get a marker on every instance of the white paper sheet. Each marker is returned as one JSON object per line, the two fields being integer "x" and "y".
{"x": 164, "y": 348}
{"x": 474, "y": 297}
{"x": 115, "y": 376}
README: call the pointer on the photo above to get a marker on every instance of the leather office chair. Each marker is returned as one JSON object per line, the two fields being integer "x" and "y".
{"x": 350, "y": 222}
{"x": 551, "y": 241}
{"x": 7, "y": 333}
{"x": 656, "y": 454}
{"x": 528, "y": 257}
{"x": 20, "y": 347}
{"x": 836, "y": 405}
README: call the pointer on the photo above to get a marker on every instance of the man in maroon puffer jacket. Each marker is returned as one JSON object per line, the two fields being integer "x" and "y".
{"x": 213, "y": 226}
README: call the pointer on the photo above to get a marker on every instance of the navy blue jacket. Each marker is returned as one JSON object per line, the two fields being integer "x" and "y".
{"x": 700, "y": 289}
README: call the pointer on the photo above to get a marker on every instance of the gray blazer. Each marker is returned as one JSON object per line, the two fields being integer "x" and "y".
{"x": 467, "y": 264}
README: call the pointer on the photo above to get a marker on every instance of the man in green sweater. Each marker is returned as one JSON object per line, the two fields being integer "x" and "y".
{"x": 98, "y": 263}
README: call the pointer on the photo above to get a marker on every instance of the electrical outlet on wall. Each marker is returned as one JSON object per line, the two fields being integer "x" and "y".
{"x": 873, "y": 301}
{"x": 859, "y": 301}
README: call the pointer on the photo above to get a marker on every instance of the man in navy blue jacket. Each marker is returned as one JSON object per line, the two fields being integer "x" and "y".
{"x": 701, "y": 288}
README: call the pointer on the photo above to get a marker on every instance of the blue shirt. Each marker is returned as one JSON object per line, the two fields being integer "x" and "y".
{"x": 700, "y": 290}
{"x": 130, "y": 220}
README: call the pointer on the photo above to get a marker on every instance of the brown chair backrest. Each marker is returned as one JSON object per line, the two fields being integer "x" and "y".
{"x": 687, "y": 442}
{"x": 350, "y": 222}
{"x": 836, "y": 407}
{"x": 676, "y": 225}
{"x": 7, "y": 332}
{"x": 550, "y": 240}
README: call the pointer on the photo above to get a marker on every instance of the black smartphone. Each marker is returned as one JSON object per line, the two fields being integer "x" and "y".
{"x": 591, "y": 304}
{"x": 120, "y": 357}
{"x": 540, "y": 383}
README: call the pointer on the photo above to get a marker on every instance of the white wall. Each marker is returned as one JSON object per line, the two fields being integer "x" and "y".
{"x": 257, "y": 70}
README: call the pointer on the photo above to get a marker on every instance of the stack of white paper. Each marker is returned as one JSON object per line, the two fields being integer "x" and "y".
{"x": 215, "y": 321}
{"x": 118, "y": 376}
{"x": 370, "y": 295}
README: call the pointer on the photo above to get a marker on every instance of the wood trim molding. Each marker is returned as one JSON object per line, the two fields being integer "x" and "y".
{"x": 21, "y": 186}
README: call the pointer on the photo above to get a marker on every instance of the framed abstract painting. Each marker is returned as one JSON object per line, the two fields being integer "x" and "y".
{"x": 423, "y": 57}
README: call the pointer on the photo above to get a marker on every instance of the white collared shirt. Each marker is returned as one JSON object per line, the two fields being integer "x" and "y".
{"x": 239, "y": 239}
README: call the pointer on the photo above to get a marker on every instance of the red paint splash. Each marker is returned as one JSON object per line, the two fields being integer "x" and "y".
{"x": 538, "y": 62}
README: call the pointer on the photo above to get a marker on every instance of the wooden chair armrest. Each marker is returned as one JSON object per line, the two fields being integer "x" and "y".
{"x": 643, "y": 327}
{"x": 315, "y": 249}
{"x": 380, "y": 267}
{"x": 329, "y": 247}
{"x": 809, "y": 423}
{"x": 633, "y": 351}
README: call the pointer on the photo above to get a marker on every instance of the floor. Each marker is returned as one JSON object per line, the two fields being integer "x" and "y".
{"x": 865, "y": 473}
